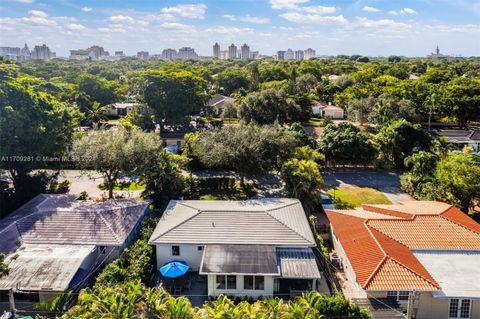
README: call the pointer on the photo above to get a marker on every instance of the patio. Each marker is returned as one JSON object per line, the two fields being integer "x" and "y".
{"x": 191, "y": 285}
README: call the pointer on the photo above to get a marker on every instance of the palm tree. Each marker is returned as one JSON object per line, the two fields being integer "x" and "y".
{"x": 442, "y": 147}
{"x": 96, "y": 114}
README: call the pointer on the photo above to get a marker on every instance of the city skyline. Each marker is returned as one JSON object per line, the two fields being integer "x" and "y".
{"x": 374, "y": 28}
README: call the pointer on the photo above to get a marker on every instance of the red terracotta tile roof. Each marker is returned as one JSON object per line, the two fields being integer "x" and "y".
{"x": 380, "y": 249}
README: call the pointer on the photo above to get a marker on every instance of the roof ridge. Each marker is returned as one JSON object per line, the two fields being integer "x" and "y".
{"x": 434, "y": 283}
{"x": 108, "y": 225}
{"x": 183, "y": 222}
{"x": 385, "y": 255}
{"x": 36, "y": 211}
{"x": 281, "y": 222}
{"x": 454, "y": 222}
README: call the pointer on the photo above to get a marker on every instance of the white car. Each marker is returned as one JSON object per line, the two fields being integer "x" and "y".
{"x": 327, "y": 202}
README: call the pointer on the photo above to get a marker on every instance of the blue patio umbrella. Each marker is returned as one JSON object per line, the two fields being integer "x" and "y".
{"x": 174, "y": 269}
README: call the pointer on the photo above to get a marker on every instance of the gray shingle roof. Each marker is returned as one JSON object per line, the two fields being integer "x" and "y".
{"x": 60, "y": 219}
{"x": 268, "y": 221}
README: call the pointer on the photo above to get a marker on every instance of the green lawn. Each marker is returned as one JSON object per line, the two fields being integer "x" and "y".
{"x": 131, "y": 186}
{"x": 237, "y": 193}
{"x": 352, "y": 196}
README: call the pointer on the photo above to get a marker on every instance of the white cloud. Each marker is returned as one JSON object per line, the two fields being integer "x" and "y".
{"x": 76, "y": 26}
{"x": 225, "y": 30}
{"x": 370, "y": 9}
{"x": 319, "y": 9}
{"x": 408, "y": 11}
{"x": 38, "y": 13}
{"x": 313, "y": 18}
{"x": 286, "y": 4}
{"x": 25, "y": 1}
{"x": 121, "y": 19}
{"x": 403, "y": 11}
{"x": 192, "y": 11}
{"x": 177, "y": 27}
{"x": 247, "y": 18}
{"x": 112, "y": 30}
{"x": 86, "y": 9}
{"x": 368, "y": 23}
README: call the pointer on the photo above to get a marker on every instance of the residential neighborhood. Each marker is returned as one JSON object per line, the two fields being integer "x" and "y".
{"x": 267, "y": 159}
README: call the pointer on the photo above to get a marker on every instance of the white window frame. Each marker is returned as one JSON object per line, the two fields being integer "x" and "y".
{"x": 254, "y": 283}
{"x": 397, "y": 294}
{"x": 226, "y": 282}
{"x": 172, "y": 248}
{"x": 459, "y": 308}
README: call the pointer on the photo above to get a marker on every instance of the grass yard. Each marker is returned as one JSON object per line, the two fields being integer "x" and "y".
{"x": 124, "y": 186}
{"x": 236, "y": 193}
{"x": 345, "y": 197}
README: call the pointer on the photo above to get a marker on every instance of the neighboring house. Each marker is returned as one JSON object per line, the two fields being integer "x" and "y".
{"x": 53, "y": 242}
{"x": 119, "y": 109}
{"x": 245, "y": 248}
{"x": 427, "y": 250}
{"x": 324, "y": 110}
{"x": 461, "y": 138}
{"x": 218, "y": 102}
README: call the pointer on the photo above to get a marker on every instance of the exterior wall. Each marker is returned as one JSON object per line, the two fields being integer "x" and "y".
{"x": 336, "y": 115}
{"x": 429, "y": 307}
{"x": 240, "y": 291}
{"x": 188, "y": 253}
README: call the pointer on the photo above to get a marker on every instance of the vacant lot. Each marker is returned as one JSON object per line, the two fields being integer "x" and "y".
{"x": 353, "y": 196}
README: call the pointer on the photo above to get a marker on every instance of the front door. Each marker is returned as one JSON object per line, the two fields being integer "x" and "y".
{"x": 459, "y": 308}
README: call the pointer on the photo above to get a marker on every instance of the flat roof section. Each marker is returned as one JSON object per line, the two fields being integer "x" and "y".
{"x": 44, "y": 267}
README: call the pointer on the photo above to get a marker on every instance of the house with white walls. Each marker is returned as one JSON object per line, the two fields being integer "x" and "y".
{"x": 250, "y": 248}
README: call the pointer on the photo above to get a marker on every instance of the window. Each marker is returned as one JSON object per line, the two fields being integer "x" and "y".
{"x": 26, "y": 296}
{"x": 248, "y": 282}
{"x": 199, "y": 248}
{"x": 220, "y": 282}
{"x": 459, "y": 308}
{"x": 226, "y": 282}
{"x": 232, "y": 282}
{"x": 175, "y": 250}
{"x": 253, "y": 283}
{"x": 102, "y": 249}
{"x": 398, "y": 295}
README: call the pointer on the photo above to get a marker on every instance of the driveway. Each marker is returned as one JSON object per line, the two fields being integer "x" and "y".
{"x": 88, "y": 182}
{"x": 386, "y": 182}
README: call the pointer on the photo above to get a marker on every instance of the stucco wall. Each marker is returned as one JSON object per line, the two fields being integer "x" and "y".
{"x": 188, "y": 253}
{"x": 429, "y": 307}
{"x": 240, "y": 291}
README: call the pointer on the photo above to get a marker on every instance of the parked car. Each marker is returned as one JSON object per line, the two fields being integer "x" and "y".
{"x": 327, "y": 202}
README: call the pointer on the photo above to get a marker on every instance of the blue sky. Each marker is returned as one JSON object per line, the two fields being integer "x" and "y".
{"x": 367, "y": 27}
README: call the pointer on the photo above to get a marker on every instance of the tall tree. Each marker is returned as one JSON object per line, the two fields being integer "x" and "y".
{"x": 246, "y": 149}
{"x": 346, "y": 144}
{"x": 173, "y": 95}
{"x": 113, "y": 153}
{"x": 401, "y": 139}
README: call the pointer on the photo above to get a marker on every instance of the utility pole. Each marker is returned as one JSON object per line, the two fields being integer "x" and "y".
{"x": 410, "y": 304}
{"x": 11, "y": 301}
{"x": 432, "y": 105}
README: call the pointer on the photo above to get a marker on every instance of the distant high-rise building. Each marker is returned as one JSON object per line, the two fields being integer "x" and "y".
{"x": 280, "y": 55}
{"x": 42, "y": 52}
{"x": 254, "y": 55}
{"x": 224, "y": 55}
{"x": 309, "y": 54}
{"x": 25, "y": 51}
{"x": 119, "y": 54}
{"x": 187, "y": 53}
{"x": 299, "y": 55}
{"x": 143, "y": 55}
{"x": 289, "y": 55}
{"x": 232, "y": 51}
{"x": 94, "y": 52}
{"x": 169, "y": 54}
{"x": 245, "y": 55}
{"x": 216, "y": 51}
{"x": 10, "y": 50}
{"x": 437, "y": 54}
